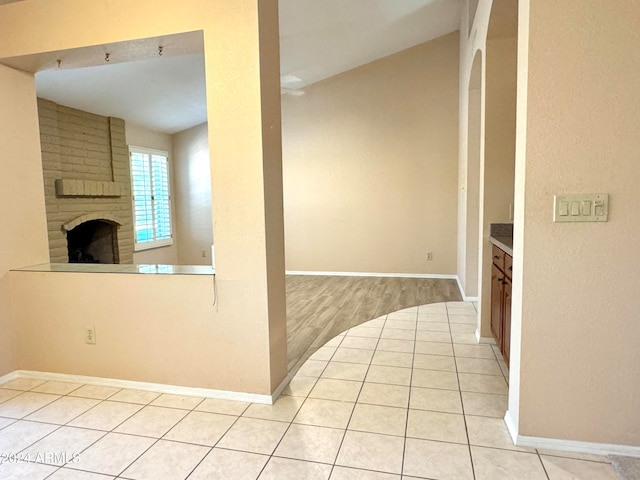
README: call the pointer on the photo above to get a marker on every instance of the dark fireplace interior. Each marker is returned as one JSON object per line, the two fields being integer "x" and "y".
{"x": 94, "y": 241}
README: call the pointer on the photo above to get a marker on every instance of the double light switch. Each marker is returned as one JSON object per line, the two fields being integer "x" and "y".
{"x": 591, "y": 207}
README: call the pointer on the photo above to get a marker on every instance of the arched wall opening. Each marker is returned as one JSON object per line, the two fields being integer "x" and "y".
{"x": 474, "y": 156}
{"x": 498, "y": 161}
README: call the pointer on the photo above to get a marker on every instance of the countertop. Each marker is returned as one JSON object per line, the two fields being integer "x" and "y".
{"x": 501, "y": 235}
{"x": 503, "y": 242}
{"x": 121, "y": 268}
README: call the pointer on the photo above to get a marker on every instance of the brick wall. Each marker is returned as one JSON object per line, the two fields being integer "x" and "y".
{"x": 86, "y": 175}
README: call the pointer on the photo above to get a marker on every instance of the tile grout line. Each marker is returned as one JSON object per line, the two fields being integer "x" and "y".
{"x": 159, "y": 406}
{"x": 241, "y": 415}
{"x": 150, "y": 446}
{"x": 156, "y": 439}
{"x": 210, "y": 447}
{"x": 112, "y": 431}
{"x": 60, "y": 426}
{"x": 544, "y": 468}
{"x": 495, "y": 355}
{"x": 464, "y": 417}
{"x": 66, "y": 425}
{"x": 53, "y": 473}
{"x": 272, "y": 454}
{"x": 355, "y": 404}
{"x": 406, "y": 423}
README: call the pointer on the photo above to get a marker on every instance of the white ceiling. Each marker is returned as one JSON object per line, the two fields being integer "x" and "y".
{"x": 322, "y": 38}
{"x": 318, "y": 39}
{"x": 163, "y": 94}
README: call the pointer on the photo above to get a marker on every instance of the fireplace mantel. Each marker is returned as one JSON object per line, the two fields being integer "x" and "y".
{"x": 66, "y": 187}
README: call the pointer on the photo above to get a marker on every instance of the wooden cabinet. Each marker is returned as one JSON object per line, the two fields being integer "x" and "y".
{"x": 497, "y": 277}
{"x": 501, "y": 300}
{"x": 506, "y": 320}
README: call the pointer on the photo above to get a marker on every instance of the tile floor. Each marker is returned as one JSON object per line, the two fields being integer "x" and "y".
{"x": 406, "y": 396}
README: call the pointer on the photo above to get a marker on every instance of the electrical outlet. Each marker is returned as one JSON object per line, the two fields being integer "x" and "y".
{"x": 204, "y": 253}
{"x": 90, "y": 335}
{"x": 429, "y": 256}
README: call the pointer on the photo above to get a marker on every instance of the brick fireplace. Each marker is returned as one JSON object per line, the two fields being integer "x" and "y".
{"x": 93, "y": 241}
{"x": 87, "y": 186}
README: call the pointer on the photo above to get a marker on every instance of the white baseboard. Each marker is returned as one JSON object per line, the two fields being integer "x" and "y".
{"x": 511, "y": 426}
{"x": 464, "y": 297}
{"x": 579, "y": 447}
{"x": 569, "y": 445}
{"x": 151, "y": 387}
{"x": 8, "y": 377}
{"x": 284, "y": 384}
{"x": 485, "y": 340}
{"x": 372, "y": 274}
{"x": 460, "y": 286}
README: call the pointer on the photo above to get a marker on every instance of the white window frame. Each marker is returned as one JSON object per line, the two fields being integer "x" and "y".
{"x": 148, "y": 245}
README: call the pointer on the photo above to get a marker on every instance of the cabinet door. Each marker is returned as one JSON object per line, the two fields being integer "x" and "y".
{"x": 506, "y": 327}
{"x": 498, "y": 257}
{"x": 508, "y": 265}
{"x": 496, "y": 304}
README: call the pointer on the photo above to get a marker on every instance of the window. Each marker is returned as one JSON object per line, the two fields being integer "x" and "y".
{"x": 151, "y": 199}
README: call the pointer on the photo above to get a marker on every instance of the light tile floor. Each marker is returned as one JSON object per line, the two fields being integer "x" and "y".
{"x": 406, "y": 396}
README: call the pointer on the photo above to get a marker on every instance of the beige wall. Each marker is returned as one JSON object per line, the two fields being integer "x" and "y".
{"x": 500, "y": 128}
{"x": 343, "y": 198}
{"x": 574, "y": 311}
{"x": 243, "y": 90}
{"x": 24, "y": 238}
{"x": 272, "y": 184}
{"x": 471, "y": 179}
{"x": 463, "y": 134}
{"x": 370, "y": 166}
{"x": 499, "y": 12}
{"x": 499, "y": 156}
{"x": 579, "y": 287}
{"x": 177, "y": 338}
{"x": 470, "y": 141}
{"x": 140, "y": 136}
{"x": 192, "y": 180}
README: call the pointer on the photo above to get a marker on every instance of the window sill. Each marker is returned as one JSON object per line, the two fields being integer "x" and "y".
{"x": 140, "y": 247}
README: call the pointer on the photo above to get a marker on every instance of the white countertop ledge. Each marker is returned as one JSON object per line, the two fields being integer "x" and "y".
{"x": 504, "y": 243}
{"x": 120, "y": 268}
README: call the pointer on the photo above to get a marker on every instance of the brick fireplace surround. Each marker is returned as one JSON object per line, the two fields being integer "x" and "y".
{"x": 85, "y": 164}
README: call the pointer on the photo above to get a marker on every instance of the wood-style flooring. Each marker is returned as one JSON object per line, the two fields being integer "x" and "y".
{"x": 321, "y": 307}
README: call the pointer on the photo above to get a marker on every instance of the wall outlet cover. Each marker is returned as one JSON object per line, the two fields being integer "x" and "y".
{"x": 90, "y": 335}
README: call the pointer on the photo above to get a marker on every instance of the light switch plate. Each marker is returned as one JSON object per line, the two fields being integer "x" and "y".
{"x": 586, "y": 207}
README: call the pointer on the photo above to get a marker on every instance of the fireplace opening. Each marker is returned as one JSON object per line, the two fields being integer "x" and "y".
{"x": 94, "y": 241}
